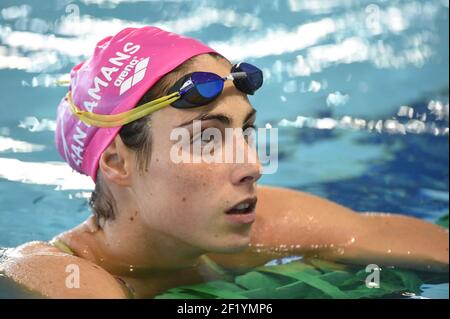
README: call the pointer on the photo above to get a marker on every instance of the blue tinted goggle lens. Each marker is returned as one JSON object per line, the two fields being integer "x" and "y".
{"x": 209, "y": 85}
{"x": 201, "y": 88}
{"x": 254, "y": 74}
{"x": 252, "y": 82}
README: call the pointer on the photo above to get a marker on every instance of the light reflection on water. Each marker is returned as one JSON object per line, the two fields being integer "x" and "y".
{"x": 413, "y": 123}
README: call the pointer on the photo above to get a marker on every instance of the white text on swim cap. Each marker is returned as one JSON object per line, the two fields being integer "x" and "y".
{"x": 139, "y": 73}
{"x": 103, "y": 79}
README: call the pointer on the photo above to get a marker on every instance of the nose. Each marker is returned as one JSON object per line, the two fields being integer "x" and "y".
{"x": 249, "y": 171}
{"x": 246, "y": 176}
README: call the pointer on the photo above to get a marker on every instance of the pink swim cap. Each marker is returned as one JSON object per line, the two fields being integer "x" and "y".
{"x": 122, "y": 69}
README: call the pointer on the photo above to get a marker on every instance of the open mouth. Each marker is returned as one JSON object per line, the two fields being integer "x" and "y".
{"x": 244, "y": 207}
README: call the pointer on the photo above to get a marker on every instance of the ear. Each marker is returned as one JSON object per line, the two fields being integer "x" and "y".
{"x": 116, "y": 163}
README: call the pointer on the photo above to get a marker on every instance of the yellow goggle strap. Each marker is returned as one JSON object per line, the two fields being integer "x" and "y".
{"x": 120, "y": 119}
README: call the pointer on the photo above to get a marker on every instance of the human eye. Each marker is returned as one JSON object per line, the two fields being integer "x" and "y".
{"x": 207, "y": 135}
{"x": 249, "y": 126}
{"x": 249, "y": 131}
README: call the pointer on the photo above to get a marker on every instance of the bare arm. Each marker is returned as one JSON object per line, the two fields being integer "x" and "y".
{"x": 53, "y": 274}
{"x": 291, "y": 222}
{"x": 399, "y": 241}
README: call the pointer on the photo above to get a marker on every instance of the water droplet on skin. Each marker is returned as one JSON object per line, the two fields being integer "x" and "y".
{"x": 389, "y": 251}
{"x": 409, "y": 253}
{"x": 340, "y": 251}
{"x": 352, "y": 240}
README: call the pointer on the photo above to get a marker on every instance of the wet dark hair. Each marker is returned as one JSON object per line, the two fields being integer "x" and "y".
{"x": 138, "y": 138}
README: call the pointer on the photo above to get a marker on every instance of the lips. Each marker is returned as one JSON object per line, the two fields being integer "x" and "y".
{"x": 243, "y": 213}
{"x": 246, "y": 206}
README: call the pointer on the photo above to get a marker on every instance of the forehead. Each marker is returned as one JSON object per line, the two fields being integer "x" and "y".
{"x": 231, "y": 102}
{"x": 208, "y": 63}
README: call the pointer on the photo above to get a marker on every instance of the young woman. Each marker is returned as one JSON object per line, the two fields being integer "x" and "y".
{"x": 158, "y": 223}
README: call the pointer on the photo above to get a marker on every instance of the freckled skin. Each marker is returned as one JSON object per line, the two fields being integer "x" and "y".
{"x": 206, "y": 190}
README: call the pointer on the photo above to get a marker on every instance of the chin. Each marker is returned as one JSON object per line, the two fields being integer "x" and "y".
{"x": 232, "y": 246}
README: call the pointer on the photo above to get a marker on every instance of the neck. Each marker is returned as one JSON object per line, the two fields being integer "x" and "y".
{"x": 148, "y": 261}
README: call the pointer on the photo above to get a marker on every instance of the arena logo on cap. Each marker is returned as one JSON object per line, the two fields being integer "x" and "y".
{"x": 139, "y": 73}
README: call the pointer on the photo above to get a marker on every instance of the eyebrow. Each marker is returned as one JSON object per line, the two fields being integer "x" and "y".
{"x": 226, "y": 120}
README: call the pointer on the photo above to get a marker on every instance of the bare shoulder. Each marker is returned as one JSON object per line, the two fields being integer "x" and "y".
{"x": 283, "y": 208}
{"x": 286, "y": 216}
{"x": 55, "y": 274}
{"x": 270, "y": 198}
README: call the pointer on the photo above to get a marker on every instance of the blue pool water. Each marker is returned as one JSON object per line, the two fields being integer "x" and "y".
{"x": 358, "y": 90}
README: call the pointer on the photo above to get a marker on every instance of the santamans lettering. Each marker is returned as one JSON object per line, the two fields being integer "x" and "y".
{"x": 102, "y": 81}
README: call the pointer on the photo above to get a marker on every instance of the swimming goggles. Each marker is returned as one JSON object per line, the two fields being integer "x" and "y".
{"x": 192, "y": 90}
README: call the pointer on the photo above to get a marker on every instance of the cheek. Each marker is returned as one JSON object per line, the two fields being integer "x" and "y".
{"x": 189, "y": 194}
{"x": 188, "y": 189}
{"x": 185, "y": 184}
{"x": 183, "y": 178}
{"x": 193, "y": 180}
